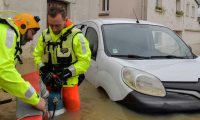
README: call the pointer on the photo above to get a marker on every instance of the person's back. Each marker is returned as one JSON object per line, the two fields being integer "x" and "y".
{"x": 3, "y": 46}
{"x": 10, "y": 48}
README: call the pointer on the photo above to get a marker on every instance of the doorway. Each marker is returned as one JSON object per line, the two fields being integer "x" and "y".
{"x": 51, "y": 3}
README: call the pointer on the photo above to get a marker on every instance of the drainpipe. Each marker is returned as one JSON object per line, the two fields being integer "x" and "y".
{"x": 142, "y": 8}
{"x": 1, "y": 6}
{"x": 183, "y": 29}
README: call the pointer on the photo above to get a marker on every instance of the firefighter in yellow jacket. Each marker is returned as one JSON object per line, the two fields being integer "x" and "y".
{"x": 63, "y": 51}
{"x": 12, "y": 36}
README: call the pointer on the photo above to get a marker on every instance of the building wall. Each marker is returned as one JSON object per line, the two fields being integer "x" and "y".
{"x": 191, "y": 25}
{"x": 191, "y": 37}
{"x": 77, "y": 10}
{"x": 168, "y": 18}
{"x": 82, "y": 10}
{"x": 117, "y": 11}
{"x": 36, "y": 8}
{"x": 123, "y": 9}
{"x": 1, "y": 5}
{"x": 186, "y": 27}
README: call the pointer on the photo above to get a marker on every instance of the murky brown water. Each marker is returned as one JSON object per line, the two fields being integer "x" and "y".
{"x": 95, "y": 103}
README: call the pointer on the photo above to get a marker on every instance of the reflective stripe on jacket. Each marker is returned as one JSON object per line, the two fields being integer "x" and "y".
{"x": 69, "y": 22}
{"x": 10, "y": 80}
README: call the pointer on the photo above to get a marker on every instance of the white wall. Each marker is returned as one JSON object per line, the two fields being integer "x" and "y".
{"x": 79, "y": 11}
{"x": 117, "y": 11}
{"x": 36, "y": 8}
{"x": 191, "y": 25}
{"x": 169, "y": 19}
{"x": 124, "y": 9}
{"x": 84, "y": 10}
{"x": 1, "y": 5}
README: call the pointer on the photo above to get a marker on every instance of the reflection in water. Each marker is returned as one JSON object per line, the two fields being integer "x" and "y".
{"x": 95, "y": 103}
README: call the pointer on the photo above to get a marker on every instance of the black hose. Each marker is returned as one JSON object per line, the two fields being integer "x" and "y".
{"x": 55, "y": 102}
{"x": 6, "y": 101}
{"x": 54, "y": 110}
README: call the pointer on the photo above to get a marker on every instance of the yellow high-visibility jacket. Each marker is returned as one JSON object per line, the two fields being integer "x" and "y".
{"x": 76, "y": 43}
{"x": 10, "y": 80}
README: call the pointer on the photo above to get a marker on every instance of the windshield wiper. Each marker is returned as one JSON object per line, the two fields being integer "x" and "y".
{"x": 168, "y": 56}
{"x": 130, "y": 56}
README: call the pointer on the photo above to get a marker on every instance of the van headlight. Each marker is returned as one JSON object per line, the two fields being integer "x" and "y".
{"x": 143, "y": 82}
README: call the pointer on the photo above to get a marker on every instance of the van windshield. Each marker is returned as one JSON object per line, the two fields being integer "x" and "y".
{"x": 145, "y": 41}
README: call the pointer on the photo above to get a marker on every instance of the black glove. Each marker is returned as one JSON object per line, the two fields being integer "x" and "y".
{"x": 48, "y": 79}
{"x": 67, "y": 74}
{"x": 47, "y": 76}
{"x": 44, "y": 71}
{"x": 59, "y": 82}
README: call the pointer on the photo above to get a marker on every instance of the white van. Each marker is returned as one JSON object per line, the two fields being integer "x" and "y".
{"x": 142, "y": 65}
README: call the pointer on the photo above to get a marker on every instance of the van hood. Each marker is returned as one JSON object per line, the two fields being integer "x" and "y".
{"x": 173, "y": 70}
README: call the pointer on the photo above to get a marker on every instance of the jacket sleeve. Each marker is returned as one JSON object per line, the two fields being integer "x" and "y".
{"x": 37, "y": 54}
{"x": 83, "y": 54}
{"x": 10, "y": 80}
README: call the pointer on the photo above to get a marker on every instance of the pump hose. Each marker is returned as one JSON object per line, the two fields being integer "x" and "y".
{"x": 9, "y": 11}
{"x": 55, "y": 102}
{"x": 54, "y": 110}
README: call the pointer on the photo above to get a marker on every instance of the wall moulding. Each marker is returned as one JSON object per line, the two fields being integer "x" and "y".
{"x": 193, "y": 30}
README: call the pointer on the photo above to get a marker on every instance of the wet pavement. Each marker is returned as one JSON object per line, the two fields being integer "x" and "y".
{"x": 95, "y": 103}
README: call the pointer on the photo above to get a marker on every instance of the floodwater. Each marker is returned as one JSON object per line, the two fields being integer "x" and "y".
{"x": 95, "y": 103}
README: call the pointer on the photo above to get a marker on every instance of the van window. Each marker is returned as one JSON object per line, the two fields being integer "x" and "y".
{"x": 165, "y": 43}
{"x": 92, "y": 37}
{"x": 143, "y": 40}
